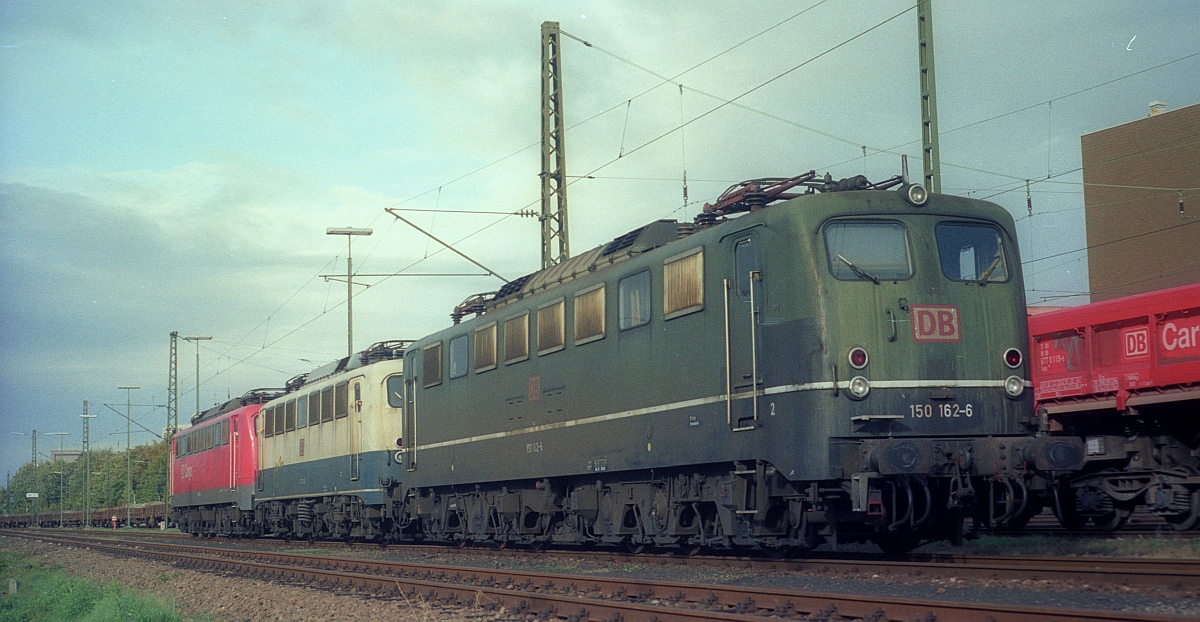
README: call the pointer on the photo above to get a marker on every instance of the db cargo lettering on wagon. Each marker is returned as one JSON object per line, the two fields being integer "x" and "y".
{"x": 1179, "y": 339}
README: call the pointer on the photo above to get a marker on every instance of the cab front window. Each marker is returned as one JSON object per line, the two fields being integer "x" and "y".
{"x": 868, "y": 251}
{"x": 972, "y": 252}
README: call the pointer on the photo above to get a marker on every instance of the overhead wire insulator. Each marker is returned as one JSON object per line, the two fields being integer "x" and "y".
{"x": 1028, "y": 199}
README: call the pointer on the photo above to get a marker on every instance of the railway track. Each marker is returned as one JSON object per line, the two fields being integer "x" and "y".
{"x": 585, "y": 598}
{"x": 1141, "y": 572}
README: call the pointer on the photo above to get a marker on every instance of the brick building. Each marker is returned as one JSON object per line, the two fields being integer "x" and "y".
{"x": 1138, "y": 238}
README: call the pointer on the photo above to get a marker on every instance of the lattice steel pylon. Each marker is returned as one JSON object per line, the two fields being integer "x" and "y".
{"x": 173, "y": 386}
{"x": 555, "y": 241}
{"x": 929, "y": 127}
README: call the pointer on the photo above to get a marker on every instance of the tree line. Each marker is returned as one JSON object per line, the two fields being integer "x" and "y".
{"x": 108, "y": 481}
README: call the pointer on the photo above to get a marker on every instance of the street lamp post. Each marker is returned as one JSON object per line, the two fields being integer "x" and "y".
{"x": 197, "y": 339}
{"x": 349, "y": 232}
{"x": 128, "y": 455}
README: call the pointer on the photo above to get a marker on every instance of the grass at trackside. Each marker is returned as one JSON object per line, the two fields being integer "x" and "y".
{"x": 1061, "y": 546}
{"x": 45, "y": 593}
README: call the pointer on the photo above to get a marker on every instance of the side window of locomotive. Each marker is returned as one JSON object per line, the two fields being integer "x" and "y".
{"x": 458, "y": 357}
{"x": 357, "y": 397}
{"x": 745, "y": 261}
{"x": 971, "y": 252}
{"x": 341, "y": 397}
{"x": 290, "y": 416}
{"x": 395, "y": 391}
{"x": 485, "y": 348}
{"x": 550, "y": 335}
{"x": 327, "y": 405}
{"x": 279, "y": 419}
{"x": 683, "y": 284}
{"x": 865, "y": 251}
{"x": 432, "y": 364}
{"x": 589, "y": 315}
{"x": 302, "y": 412}
{"x": 314, "y": 408}
{"x": 634, "y": 294}
{"x": 269, "y": 423}
{"x": 516, "y": 339}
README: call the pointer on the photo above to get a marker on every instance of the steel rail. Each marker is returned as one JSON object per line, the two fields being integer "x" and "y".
{"x": 1143, "y": 572}
{"x": 578, "y": 598}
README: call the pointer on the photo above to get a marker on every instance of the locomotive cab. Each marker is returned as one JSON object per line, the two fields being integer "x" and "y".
{"x": 921, "y": 315}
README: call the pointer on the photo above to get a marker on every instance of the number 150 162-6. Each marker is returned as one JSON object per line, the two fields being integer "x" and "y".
{"x": 946, "y": 411}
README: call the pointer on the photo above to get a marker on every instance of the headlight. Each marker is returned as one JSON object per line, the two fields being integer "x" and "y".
{"x": 859, "y": 387}
{"x": 916, "y": 194}
{"x": 1014, "y": 386}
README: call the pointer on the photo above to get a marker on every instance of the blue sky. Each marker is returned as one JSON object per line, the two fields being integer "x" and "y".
{"x": 173, "y": 165}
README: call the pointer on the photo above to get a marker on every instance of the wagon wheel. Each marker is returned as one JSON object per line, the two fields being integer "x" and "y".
{"x": 1114, "y": 520}
{"x": 1188, "y": 520}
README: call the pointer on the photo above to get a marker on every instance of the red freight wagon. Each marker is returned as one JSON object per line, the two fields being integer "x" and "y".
{"x": 1124, "y": 374}
{"x": 213, "y": 468}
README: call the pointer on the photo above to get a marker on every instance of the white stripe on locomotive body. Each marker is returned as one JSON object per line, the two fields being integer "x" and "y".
{"x": 378, "y": 423}
{"x": 778, "y": 390}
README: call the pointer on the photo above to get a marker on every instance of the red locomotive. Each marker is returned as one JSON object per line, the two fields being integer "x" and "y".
{"x": 1124, "y": 375}
{"x": 214, "y": 465}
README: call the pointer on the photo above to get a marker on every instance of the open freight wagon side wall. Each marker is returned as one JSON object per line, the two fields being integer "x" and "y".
{"x": 1118, "y": 354}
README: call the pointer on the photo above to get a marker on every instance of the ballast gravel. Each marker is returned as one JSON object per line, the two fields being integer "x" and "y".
{"x": 211, "y": 596}
{"x": 230, "y": 598}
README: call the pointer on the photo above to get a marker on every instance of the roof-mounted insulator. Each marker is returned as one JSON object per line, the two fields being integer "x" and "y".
{"x": 476, "y": 304}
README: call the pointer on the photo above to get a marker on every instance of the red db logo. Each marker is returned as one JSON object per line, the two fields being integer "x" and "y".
{"x": 935, "y": 323}
{"x": 1137, "y": 342}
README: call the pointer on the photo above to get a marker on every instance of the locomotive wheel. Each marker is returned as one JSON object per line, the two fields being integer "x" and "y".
{"x": 1186, "y": 521}
{"x": 898, "y": 543}
{"x": 776, "y": 552}
{"x": 1065, "y": 511}
{"x": 633, "y": 548}
{"x": 1019, "y": 521}
{"x": 1114, "y": 520}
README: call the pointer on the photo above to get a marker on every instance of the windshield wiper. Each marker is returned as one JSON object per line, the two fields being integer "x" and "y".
{"x": 857, "y": 270}
{"x": 987, "y": 274}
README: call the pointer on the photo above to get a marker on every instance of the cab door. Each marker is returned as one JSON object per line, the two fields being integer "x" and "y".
{"x": 409, "y": 433}
{"x": 355, "y": 428}
{"x": 745, "y": 290}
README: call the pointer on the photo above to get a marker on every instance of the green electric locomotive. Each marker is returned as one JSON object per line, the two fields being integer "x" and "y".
{"x": 843, "y": 364}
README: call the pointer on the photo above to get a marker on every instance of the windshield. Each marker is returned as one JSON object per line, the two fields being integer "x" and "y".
{"x": 868, "y": 251}
{"x": 972, "y": 252}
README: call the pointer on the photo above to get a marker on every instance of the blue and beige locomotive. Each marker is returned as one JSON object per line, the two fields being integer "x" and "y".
{"x": 841, "y": 364}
